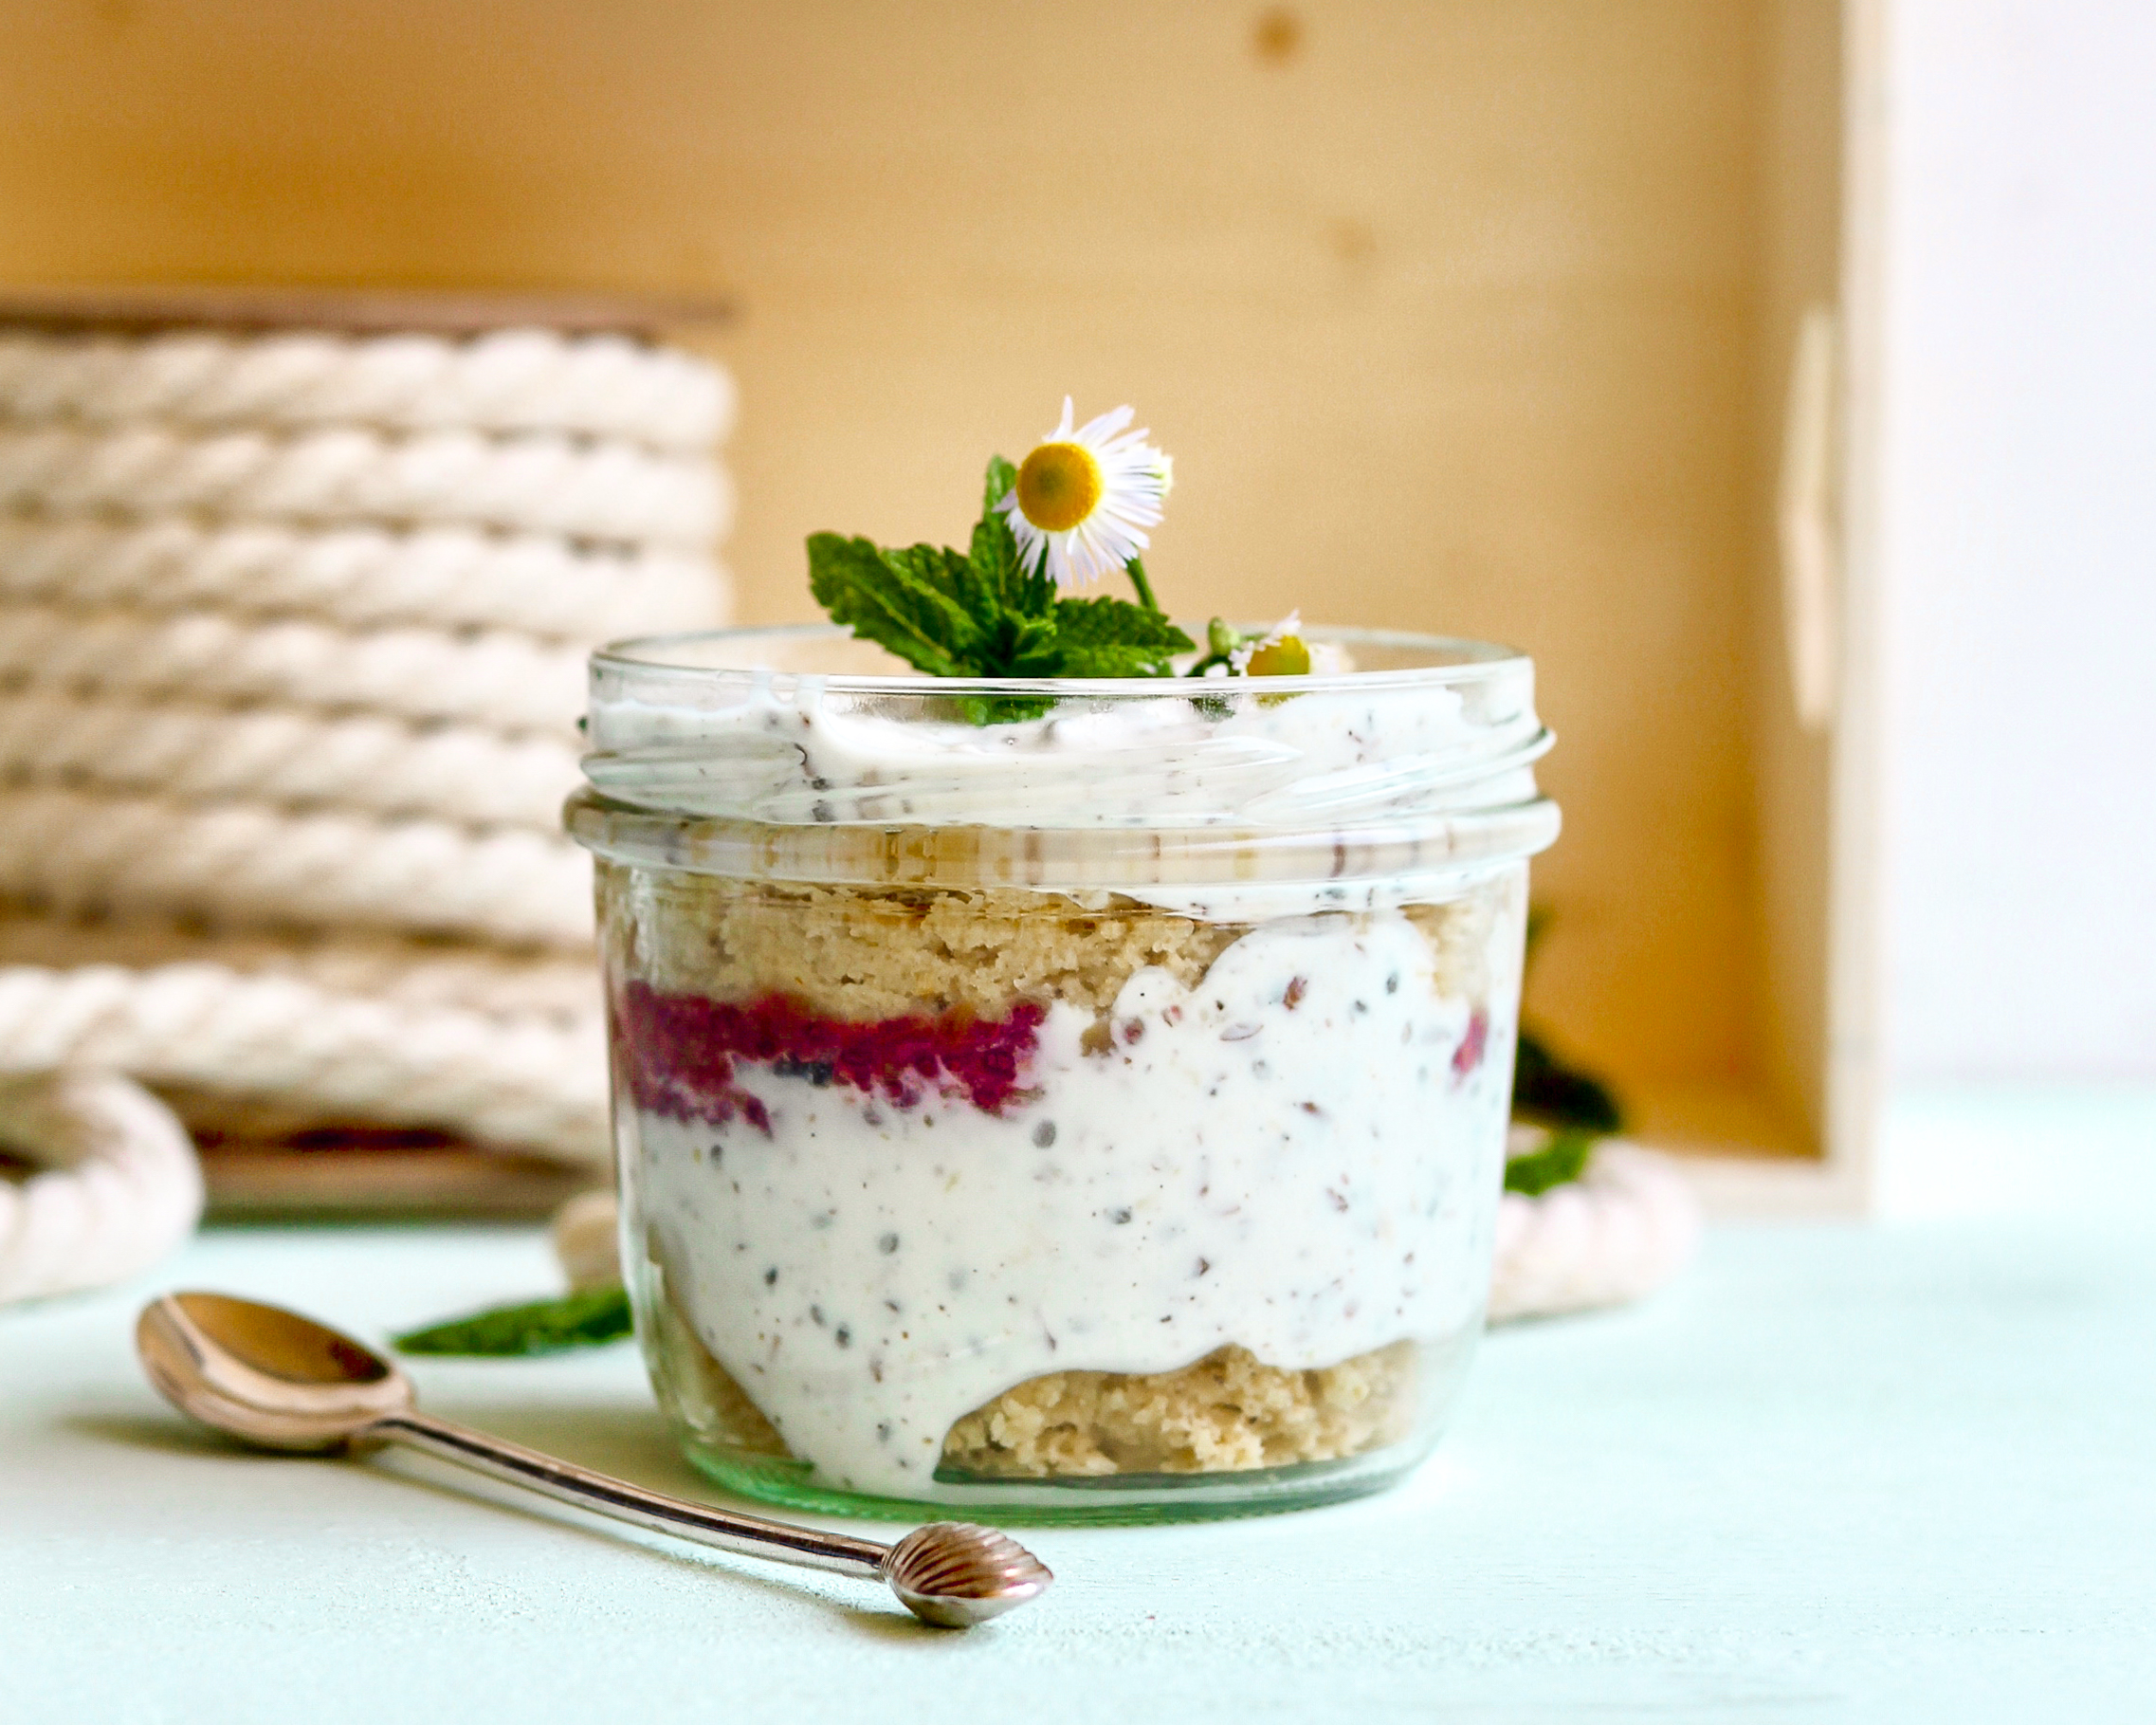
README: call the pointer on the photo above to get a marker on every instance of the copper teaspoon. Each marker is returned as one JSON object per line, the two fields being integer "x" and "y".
{"x": 280, "y": 1381}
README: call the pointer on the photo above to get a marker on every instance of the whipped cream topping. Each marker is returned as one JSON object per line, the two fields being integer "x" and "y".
{"x": 1290, "y": 753}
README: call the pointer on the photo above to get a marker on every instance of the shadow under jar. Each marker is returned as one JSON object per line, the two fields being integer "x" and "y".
{"x": 1064, "y": 1101}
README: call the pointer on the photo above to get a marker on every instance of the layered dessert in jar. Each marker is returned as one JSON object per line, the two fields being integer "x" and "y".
{"x": 1066, "y": 1098}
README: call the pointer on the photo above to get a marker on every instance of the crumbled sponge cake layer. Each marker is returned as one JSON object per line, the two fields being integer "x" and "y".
{"x": 869, "y": 953}
{"x": 872, "y": 953}
{"x": 1225, "y": 1413}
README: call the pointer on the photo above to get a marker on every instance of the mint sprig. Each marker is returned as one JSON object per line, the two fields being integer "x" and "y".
{"x": 1111, "y": 637}
{"x": 577, "y": 1320}
{"x": 981, "y": 613}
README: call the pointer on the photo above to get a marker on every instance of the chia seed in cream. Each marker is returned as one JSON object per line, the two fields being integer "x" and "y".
{"x": 798, "y": 749}
{"x": 1298, "y": 1155}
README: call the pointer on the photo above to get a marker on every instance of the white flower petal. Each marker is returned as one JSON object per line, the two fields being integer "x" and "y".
{"x": 1134, "y": 483}
{"x": 1101, "y": 434}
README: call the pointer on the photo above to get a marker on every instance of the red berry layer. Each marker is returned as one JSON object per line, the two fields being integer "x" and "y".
{"x": 679, "y": 1054}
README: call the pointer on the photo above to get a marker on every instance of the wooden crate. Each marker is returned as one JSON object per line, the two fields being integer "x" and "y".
{"x": 1464, "y": 315}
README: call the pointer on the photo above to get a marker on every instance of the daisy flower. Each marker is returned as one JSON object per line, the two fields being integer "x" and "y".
{"x": 1278, "y": 654}
{"x": 1283, "y": 653}
{"x": 1085, "y": 498}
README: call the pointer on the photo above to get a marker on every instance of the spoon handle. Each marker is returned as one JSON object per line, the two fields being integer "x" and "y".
{"x": 567, "y": 1484}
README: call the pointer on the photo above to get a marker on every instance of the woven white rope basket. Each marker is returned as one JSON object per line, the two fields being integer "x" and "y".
{"x": 495, "y": 678}
{"x": 529, "y": 483}
{"x": 358, "y": 577}
{"x": 1625, "y": 1227}
{"x": 462, "y": 774}
{"x": 114, "y": 1183}
{"x": 507, "y": 1048}
{"x": 504, "y": 382}
{"x": 246, "y": 865}
{"x": 292, "y": 638}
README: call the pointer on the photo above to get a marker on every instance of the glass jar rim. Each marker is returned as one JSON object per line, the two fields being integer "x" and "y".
{"x": 818, "y": 775}
{"x": 1455, "y": 661}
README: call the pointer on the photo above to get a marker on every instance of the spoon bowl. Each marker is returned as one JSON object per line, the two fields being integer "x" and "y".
{"x": 264, "y": 1374}
{"x": 285, "y": 1382}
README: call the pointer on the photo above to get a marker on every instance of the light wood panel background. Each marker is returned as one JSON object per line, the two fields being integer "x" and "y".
{"x": 1454, "y": 313}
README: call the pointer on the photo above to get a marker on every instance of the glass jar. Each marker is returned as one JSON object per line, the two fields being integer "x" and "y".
{"x": 1059, "y": 1100}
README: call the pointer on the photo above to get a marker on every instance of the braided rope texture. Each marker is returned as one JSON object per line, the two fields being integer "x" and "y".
{"x": 1626, "y": 1226}
{"x": 506, "y": 383}
{"x": 244, "y": 865}
{"x": 401, "y": 971}
{"x": 529, "y": 483}
{"x": 361, "y": 577}
{"x": 292, "y": 638}
{"x": 117, "y": 1186}
{"x": 505, "y": 681}
{"x": 584, "y": 1233}
{"x": 531, "y": 1082}
{"x": 387, "y": 767}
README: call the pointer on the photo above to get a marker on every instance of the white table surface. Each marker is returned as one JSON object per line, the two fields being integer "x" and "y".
{"x": 1898, "y": 1472}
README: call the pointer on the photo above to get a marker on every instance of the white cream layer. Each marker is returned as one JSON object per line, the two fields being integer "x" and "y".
{"x": 792, "y": 753}
{"x": 1282, "y": 1156}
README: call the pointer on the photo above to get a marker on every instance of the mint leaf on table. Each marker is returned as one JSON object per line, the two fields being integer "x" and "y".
{"x": 983, "y": 613}
{"x": 587, "y": 1319}
{"x": 1562, "y": 1157}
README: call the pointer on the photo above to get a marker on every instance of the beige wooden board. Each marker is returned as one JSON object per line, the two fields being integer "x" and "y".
{"x": 356, "y": 311}
{"x": 360, "y": 1179}
{"x": 1455, "y": 313}
{"x": 1800, "y": 218}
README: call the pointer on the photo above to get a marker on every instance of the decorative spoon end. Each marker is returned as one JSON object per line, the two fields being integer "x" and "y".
{"x": 955, "y": 1574}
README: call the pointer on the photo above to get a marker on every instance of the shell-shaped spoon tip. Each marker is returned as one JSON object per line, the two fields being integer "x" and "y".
{"x": 955, "y": 1574}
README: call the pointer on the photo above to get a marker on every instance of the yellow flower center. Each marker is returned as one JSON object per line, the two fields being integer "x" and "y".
{"x": 1286, "y": 657}
{"x": 1059, "y": 486}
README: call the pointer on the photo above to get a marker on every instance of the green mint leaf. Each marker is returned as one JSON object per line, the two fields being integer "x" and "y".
{"x": 1109, "y": 637}
{"x": 578, "y": 1320}
{"x": 994, "y": 560}
{"x": 994, "y": 551}
{"x": 1004, "y": 709}
{"x": 904, "y": 600}
{"x": 983, "y": 614}
{"x": 1110, "y": 661}
{"x": 1019, "y": 646}
{"x": 1561, "y": 1159}
{"x": 929, "y": 589}
{"x": 944, "y": 582}
{"x": 1547, "y": 1090}
{"x": 1111, "y": 622}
